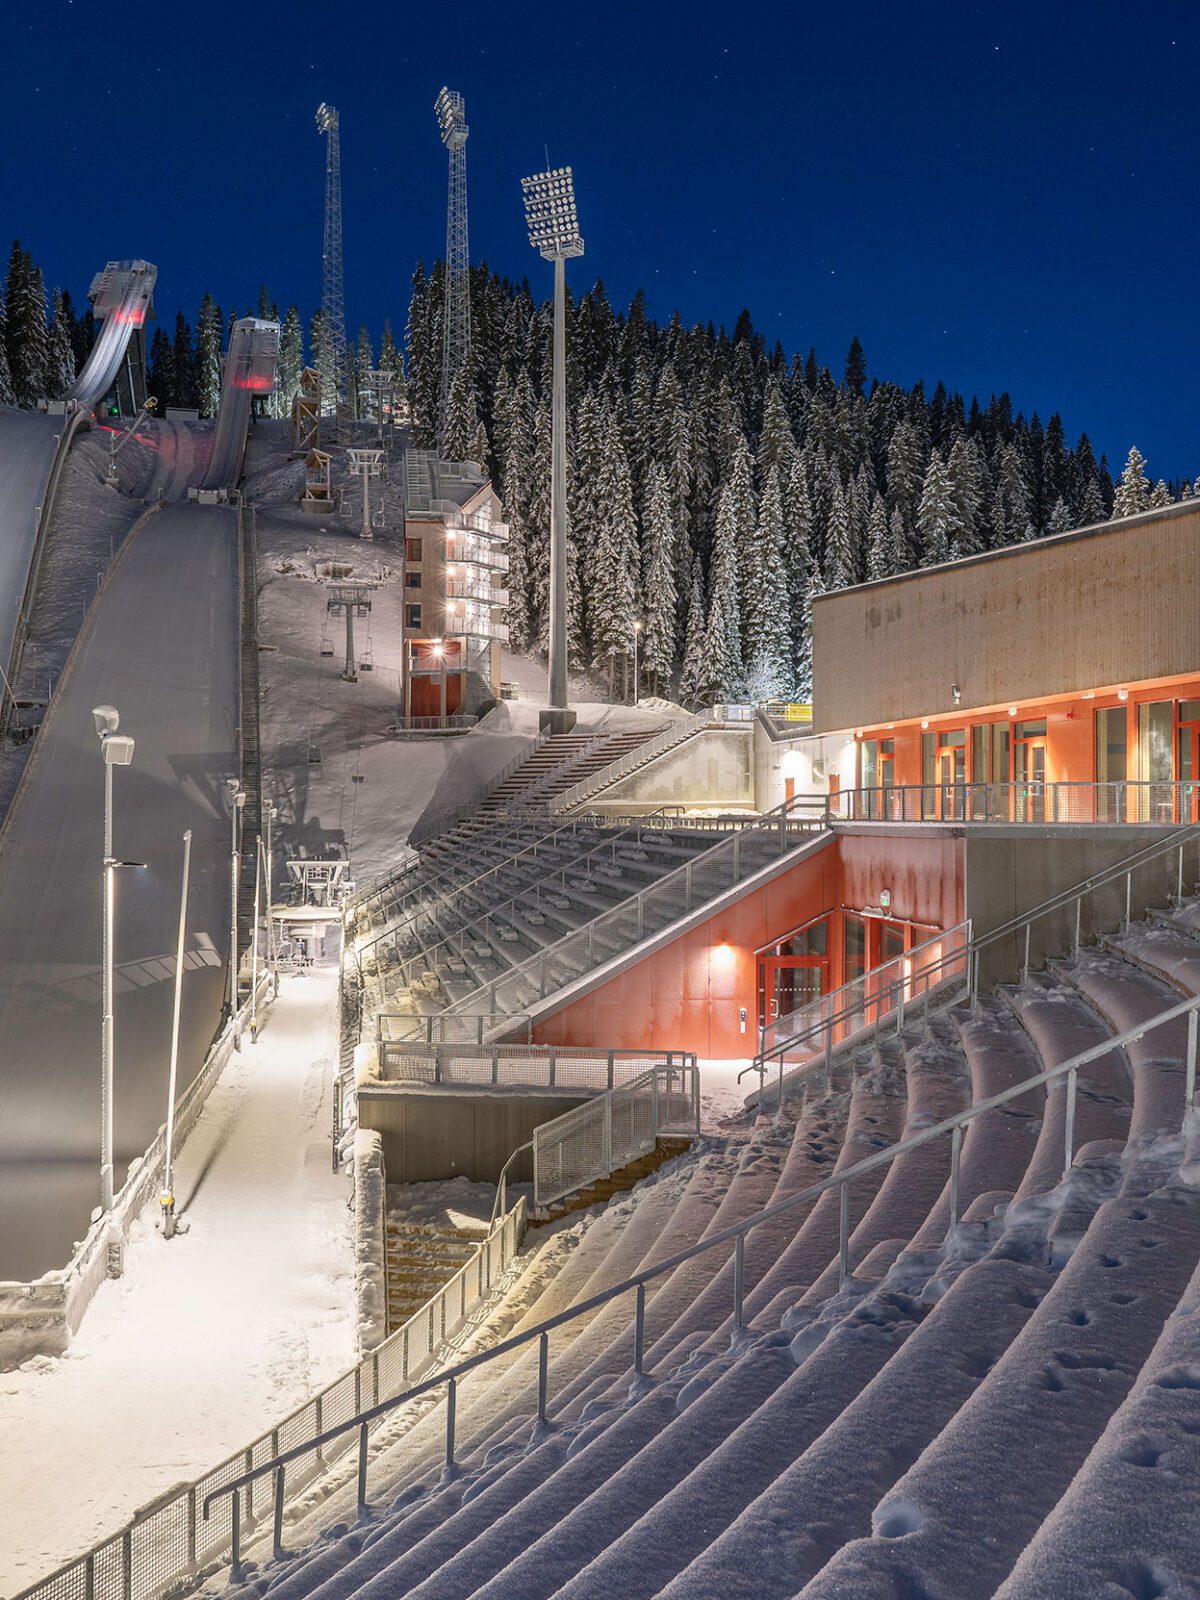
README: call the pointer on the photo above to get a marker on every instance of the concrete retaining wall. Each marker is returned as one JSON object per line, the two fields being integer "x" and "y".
{"x": 715, "y": 768}
{"x": 431, "y": 1133}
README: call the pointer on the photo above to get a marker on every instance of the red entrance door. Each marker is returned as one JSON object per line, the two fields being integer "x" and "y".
{"x": 785, "y": 983}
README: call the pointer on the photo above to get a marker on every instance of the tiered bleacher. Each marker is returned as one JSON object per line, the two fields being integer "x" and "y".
{"x": 1007, "y": 1406}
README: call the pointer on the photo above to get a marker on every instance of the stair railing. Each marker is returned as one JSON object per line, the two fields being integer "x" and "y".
{"x": 675, "y": 733}
{"x": 954, "y": 1127}
{"x": 945, "y": 967}
{"x": 481, "y": 924}
{"x": 443, "y": 823}
{"x": 698, "y": 881}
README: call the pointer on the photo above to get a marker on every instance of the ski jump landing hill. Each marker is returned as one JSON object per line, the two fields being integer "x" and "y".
{"x": 34, "y": 445}
{"x": 161, "y": 642}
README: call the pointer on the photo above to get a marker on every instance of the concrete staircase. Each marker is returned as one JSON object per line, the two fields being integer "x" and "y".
{"x": 618, "y": 1182}
{"x": 421, "y": 1258}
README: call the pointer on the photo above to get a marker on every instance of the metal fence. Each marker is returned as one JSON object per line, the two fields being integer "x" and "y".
{"x": 178, "y": 1536}
{"x": 507, "y": 1065}
{"x": 938, "y": 967}
{"x": 453, "y": 722}
{"x": 1165, "y": 804}
{"x": 595, "y": 1140}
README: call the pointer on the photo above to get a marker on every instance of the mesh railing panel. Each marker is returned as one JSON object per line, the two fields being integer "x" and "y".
{"x": 593, "y": 1140}
{"x": 1161, "y": 803}
{"x": 155, "y": 1545}
{"x": 108, "y": 1571}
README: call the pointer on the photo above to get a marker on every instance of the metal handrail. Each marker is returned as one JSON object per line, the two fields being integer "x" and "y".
{"x": 736, "y": 1234}
{"x": 443, "y": 824}
{"x": 1126, "y": 802}
{"x": 781, "y": 817}
{"x": 668, "y": 738}
{"x": 886, "y": 995}
{"x": 609, "y": 844}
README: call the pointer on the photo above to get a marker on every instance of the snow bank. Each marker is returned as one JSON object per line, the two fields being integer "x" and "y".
{"x": 370, "y": 1244}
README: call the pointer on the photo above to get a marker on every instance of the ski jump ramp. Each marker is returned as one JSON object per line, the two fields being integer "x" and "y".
{"x": 249, "y": 371}
{"x": 31, "y": 442}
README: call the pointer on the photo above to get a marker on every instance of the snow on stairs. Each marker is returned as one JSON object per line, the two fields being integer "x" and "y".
{"x": 421, "y": 1257}
{"x": 618, "y": 1182}
{"x": 927, "y": 1431}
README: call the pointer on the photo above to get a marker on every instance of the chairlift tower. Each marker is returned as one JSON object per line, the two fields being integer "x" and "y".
{"x": 456, "y": 320}
{"x": 333, "y": 297}
{"x": 351, "y": 600}
{"x": 554, "y": 233}
{"x": 366, "y": 461}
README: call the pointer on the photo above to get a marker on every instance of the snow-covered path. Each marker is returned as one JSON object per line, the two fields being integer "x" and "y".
{"x": 210, "y": 1338}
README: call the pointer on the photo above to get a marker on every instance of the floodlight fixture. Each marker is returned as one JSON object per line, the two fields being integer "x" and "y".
{"x": 451, "y": 113}
{"x": 550, "y": 213}
{"x": 327, "y": 117}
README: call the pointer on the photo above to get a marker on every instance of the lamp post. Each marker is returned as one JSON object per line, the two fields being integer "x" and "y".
{"x": 237, "y": 799}
{"x": 117, "y": 750}
{"x": 637, "y": 632}
{"x": 167, "y": 1198}
{"x": 554, "y": 233}
{"x": 270, "y": 814}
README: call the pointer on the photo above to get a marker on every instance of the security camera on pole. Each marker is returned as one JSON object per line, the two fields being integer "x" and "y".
{"x": 554, "y": 233}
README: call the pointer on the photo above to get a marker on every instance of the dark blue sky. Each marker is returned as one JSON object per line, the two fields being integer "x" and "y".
{"x": 1001, "y": 195}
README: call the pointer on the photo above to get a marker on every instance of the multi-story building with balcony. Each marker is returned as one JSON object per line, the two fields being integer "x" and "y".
{"x": 455, "y": 589}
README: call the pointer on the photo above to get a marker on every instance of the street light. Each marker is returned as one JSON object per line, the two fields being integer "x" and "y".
{"x": 167, "y": 1197}
{"x": 237, "y": 799}
{"x": 554, "y": 234}
{"x": 117, "y": 750}
{"x": 637, "y": 631}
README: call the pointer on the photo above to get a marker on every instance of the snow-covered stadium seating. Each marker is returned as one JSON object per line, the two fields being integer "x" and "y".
{"x": 1008, "y": 1407}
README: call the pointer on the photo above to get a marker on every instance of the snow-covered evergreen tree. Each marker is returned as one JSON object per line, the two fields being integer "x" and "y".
{"x": 723, "y": 632}
{"x": 768, "y": 632}
{"x": 1160, "y": 496}
{"x": 7, "y": 397}
{"x": 1060, "y": 517}
{"x": 879, "y": 543}
{"x": 838, "y": 556}
{"x": 61, "y": 371}
{"x": 208, "y": 357}
{"x": 661, "y": 600}
{"x": 1133, "y": 489}
{"x": 693, "y": 680}
{"x": 613, "y": 597}
{"x": 291, "y": 359}
{"x": 936, "y": 515}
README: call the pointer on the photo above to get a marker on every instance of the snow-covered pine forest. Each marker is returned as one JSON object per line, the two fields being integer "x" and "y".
{"x": 716, "y": 484}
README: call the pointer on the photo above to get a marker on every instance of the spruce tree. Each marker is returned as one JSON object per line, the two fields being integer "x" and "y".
{"x": 183, "y": 364}
{"x": 661, "y": 603}
{"x": 614, "y": 575}
{"x": 838, "y": 557}
{"x": 1133, "y": 490}
{"x": 1161, "y": 496}
{"x": 879, "y": 543}
{"x": 799, "y": 561}
{"x": 7, "y": 397}
{"x": 1060, "y": 517}
{"x": 291, "y": 359}
{"x": 723, "y": 632}
{"x": 935, "y": 517}
{"x": 161, "y": 374}
{"x": 693, "y": 680}
{"x": 62, "y": 355}
{"x": 768, "y": 635}
{"x": 208, "y": 357}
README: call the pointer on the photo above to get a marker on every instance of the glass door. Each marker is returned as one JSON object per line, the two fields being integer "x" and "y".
{"x": 1187, "y": 762}
{"x": 1029, "y": 771}
{"x": 952, "y": 775}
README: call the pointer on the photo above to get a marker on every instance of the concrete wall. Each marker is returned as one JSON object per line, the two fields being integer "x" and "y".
{"x": 715, "y": 768}
{"x": 432, "y": 1133}
{"x": 1104, "y": 606}
{"x": 1009, "y": 871}
{"x": 809, "y": 760}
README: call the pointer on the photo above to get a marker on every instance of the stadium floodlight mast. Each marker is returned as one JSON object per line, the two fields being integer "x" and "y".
{"x": 554, "y": 233}
{"x": 451, "y": 113}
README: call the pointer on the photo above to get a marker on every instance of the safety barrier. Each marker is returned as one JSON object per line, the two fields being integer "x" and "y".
{"x": 179, "y": 1535}
{"x": 1164, "y": 804}
{"x": 550, "y": 1066}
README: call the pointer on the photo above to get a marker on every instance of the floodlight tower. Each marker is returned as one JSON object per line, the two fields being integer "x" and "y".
{"x": 554, "y": 233}
{"x": 456, "y": 321}
{"x": 333, "y": 297}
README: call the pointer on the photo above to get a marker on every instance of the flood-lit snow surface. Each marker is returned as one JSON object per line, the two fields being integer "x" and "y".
{"x": 211, "y": 1337}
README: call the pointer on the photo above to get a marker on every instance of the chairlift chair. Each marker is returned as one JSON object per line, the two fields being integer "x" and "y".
{"x": 314, "y": 756}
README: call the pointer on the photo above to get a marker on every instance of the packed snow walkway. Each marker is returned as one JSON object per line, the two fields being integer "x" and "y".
{"x": 212, "y": 1337}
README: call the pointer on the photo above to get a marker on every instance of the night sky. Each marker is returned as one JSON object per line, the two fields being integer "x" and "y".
{"x": 999, "y": 195}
